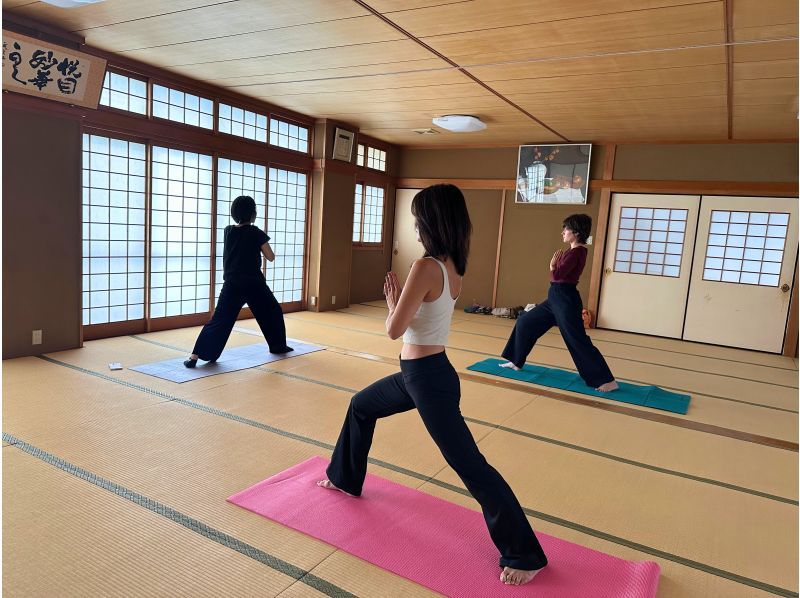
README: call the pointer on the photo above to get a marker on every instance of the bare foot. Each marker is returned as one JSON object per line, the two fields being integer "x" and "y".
{"x": 508, "y": 364}
{"x": 329, "y": 485}
{"x": 517, "y": 577}
{"x": 608, "y": 386}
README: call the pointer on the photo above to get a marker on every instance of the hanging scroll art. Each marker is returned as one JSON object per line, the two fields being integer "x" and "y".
{"x": 45, "y": 70}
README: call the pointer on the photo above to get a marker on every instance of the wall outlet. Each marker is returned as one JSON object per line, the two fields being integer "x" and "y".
{"x": 313, "y": 300}
{"x": 333, "y": 300}
{"x": 589, "y": 240}
{"x": 37, "y": 337}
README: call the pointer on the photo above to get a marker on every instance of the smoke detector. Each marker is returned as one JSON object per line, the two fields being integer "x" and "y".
{"x": 428, "y": 131}
{"x": 459, "y": 123}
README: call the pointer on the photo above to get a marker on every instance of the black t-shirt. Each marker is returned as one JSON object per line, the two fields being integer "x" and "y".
{"x": 241, "y": 259}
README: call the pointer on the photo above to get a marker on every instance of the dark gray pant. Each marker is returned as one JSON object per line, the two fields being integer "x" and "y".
{"x": 431, "y": 385}
{"x": 563, "y": 309}
{"x": 266, "y": 310}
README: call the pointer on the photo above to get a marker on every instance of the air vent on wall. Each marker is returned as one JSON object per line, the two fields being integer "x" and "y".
{"x": 427, "y": 131}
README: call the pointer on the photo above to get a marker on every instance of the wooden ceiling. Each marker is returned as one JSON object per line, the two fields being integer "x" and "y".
{"x": 534, "y": 71}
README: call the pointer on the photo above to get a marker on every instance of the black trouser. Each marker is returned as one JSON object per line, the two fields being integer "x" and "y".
{"x": 431, "y": 385}
{"x": 563, "y": 309}
{"x": 265, "y": 308}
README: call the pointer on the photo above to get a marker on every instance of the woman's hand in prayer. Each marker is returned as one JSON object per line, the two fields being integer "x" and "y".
{"x": 556, "y": 256}
{"x": 392, "y": 290}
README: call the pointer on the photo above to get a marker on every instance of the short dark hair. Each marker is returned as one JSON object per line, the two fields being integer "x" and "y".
{"x": 443, "y": 222}
{"x": 243, "y": 209}
{"x": 580, "y": 224}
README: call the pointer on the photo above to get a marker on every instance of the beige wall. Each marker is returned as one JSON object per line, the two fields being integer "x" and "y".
{"x": 484, "y": 212}
{"x": 744, "y": 162}
{"x": 531, "y": 234}
{"x": 41, "y": 232}
{"x": 337, "y": 269}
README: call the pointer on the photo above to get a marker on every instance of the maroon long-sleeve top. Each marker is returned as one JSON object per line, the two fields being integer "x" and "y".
{"x": 570, "y": 265}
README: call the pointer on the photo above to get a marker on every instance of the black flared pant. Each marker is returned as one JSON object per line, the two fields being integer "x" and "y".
{"x": 431, "y": 385}
{"x": 265, "y": 308}
{"x": 563, "y": 308}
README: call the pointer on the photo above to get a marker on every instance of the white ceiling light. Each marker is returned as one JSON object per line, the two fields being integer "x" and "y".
{"x": 70, "y": 3}
{"x": 459, "y": 123}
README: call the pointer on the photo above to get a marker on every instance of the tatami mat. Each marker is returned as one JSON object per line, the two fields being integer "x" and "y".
{"x": 719, "y": 514}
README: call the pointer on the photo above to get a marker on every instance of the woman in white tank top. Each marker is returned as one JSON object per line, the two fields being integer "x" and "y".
{"x": 421, "y": 312}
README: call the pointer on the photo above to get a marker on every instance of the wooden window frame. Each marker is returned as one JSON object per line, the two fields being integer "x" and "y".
{"x": 147, "y": 100}
{"x": 279, "y": 117}
{"x": 373, "y": 246}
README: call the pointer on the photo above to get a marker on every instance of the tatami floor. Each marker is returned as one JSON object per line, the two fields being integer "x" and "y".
{"x": 114, "y": 482}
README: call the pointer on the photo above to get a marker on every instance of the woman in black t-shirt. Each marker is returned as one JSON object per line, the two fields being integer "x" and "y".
{"x": 244, "y": 282}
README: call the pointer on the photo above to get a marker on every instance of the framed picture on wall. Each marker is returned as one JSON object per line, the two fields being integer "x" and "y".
{"x": 343, "y": 145}
{"x": 553, "y": 173}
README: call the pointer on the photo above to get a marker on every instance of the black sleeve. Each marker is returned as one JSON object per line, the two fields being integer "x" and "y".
{"x": 261, "y": 237}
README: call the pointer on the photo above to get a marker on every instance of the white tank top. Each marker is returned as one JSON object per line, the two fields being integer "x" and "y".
{"x": 431, "y": 324}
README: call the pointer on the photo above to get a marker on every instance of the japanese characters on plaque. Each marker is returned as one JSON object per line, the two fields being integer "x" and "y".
{"x": 45, "y": 70}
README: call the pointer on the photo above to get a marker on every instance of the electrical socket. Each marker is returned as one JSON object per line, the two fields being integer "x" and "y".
{"x": 37, "y": 337}
{"x": 333, "y": 299}
{"x": 313, "y": 300}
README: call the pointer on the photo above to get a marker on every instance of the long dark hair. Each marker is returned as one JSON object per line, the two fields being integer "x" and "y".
{"x": 443, "y": 223}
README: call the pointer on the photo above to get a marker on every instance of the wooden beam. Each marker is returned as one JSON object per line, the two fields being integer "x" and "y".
{"x": 600, "y": 230}
{"x": 790, "y": 340}
{"x": 499, "y": 245}
{"x": 728, "y": 8}
{"x": 634, "y": 186}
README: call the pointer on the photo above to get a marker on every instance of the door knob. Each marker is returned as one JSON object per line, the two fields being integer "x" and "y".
{"x": 785, "y": 288}
{"x": 607, "y": 271}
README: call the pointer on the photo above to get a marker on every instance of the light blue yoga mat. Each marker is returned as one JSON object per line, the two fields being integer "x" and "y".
{"x": 231, "y": 360}
{"x": 635, "y": 394}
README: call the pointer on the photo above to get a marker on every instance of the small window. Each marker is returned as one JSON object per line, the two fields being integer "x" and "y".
{"x": 287, "y": 135}
{"x": 650, "y": 241}
{"x": 368, "y": 215}
{"x": 182, "y": 107}
{"x": 124, "y": 93}
{"x": 242, "y": 123}
{"x": 360, "y": 155}
{"x": 745, "y": 247}
{"x": 376, "y": 159}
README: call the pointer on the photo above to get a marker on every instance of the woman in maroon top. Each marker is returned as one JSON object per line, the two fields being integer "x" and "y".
{"x": 563, "y": 308}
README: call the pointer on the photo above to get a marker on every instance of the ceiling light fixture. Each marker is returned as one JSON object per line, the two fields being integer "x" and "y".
{"x": 70, "y": 3}
{"x": 459, "y": 123}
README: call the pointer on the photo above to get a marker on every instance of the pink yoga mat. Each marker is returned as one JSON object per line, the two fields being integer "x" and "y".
{"x": 432, "y": 542}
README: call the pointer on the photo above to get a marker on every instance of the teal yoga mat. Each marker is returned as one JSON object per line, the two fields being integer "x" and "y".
{"x": 635, "y": 394}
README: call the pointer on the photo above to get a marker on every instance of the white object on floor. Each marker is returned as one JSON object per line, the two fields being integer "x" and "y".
{"x": 116, "y": 365}
{"x": 530, "y": 306}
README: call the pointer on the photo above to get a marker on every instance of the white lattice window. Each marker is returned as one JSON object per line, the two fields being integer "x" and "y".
{"x": 746, "y": 247}
{"x": 288, "y": 135}
{"x": 113, "y": 230}
{"x": 242, "y": 123}
{"x": 650, "y": 241}
{"x": 180, "y": 258}
{"x": 182, "y": 107}
{"x": 286, "y": 220}
{"x": 124, "y": 93}
{"x": 368, "y": 215}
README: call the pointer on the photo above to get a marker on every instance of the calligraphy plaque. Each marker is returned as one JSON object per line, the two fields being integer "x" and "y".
{"x": 42, "y": 69}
